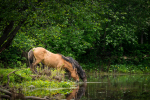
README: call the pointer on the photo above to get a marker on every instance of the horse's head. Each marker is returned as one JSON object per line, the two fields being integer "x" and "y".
{"x": 84, "y": 78}
{"x": 75, "y": 76}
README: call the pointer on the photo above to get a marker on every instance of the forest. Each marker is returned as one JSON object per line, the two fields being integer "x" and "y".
{"x": 102, "y": 35}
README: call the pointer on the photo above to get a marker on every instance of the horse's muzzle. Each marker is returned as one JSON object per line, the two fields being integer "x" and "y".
{"x": 77, "y": 81}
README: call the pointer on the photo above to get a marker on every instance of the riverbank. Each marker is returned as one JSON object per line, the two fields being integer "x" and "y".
{"x": 45, "y": 83}
{"x": 117, "y": 69}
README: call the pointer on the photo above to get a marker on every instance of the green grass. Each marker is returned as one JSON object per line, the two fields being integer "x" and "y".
{"x": 14, "y": 78}
{"x": 42, "y": 86}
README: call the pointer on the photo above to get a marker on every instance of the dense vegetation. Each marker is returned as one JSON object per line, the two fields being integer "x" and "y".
{"x": 42, "y": 84}
{"x": 100, "y": 34}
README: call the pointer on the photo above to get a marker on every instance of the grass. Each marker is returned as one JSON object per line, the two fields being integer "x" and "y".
{"x": 41, "y": 86}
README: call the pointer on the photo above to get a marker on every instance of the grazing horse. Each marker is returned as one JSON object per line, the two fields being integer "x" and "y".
{"x": 76, "y": 65}
{"x": 51, "y": 60}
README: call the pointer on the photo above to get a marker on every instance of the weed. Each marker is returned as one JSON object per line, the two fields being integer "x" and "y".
{"x": 45, "y": 85}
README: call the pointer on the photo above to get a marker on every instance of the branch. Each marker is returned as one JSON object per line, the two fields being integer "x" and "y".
{"x": 36, "y": 98}
{"x": 9, "y": 78}
{"x": 14, "y": 95}
{"x": 18, "y": 75}
{"x": 5, "y": 97}
{"x": 9, "y": 75}
{"x": 6, "y": 92}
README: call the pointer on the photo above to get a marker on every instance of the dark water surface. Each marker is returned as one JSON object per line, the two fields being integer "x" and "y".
{"x": 113, "y": 87}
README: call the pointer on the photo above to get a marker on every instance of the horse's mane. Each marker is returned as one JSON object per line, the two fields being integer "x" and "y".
{"x": 76, "y": 64}
{"x": 65, "y": 58}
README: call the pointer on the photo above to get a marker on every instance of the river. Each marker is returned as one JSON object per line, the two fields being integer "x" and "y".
{"x": 113, "y": 87}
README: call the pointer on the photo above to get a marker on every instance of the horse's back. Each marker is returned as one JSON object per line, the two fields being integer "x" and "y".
{"x": 39, "y": 52}
{"x": 52, "y": 60}
{"x": 48, "y": 58}
{"x": 39, "y": 49}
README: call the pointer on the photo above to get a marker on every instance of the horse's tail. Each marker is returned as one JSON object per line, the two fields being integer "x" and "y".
{"x": 30, "y": 57}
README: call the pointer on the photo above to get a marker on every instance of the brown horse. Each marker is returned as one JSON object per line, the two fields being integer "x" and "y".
{"x": 51, "y": 60}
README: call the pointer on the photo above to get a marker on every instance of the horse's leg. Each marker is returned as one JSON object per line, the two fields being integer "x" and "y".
{"x": 59, "y": 66}
{"x": 31, "y": 67}
{"x": 42, "y": 65}
{"x": 35, "y": 64}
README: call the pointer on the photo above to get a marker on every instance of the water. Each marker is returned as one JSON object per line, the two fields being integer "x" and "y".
{"x": 113, "y": 87}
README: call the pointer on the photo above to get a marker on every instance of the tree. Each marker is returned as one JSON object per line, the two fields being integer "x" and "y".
{"x": 13, "y": 16}
{"x": 98, "y": 29}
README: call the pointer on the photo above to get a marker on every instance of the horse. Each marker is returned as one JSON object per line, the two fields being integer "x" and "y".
{"x": 77, "y": 93}
{"x": 76, "y": 65}
{"x": 73, "y": 94}
{"x": 51, "y": 60}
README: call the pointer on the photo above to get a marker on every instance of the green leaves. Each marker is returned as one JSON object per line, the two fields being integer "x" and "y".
{"x": 75, "y": 28}
{"x": 34, "y": 88}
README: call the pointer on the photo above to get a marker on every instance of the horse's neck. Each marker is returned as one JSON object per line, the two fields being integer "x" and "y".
{"x": 68, "y": 66}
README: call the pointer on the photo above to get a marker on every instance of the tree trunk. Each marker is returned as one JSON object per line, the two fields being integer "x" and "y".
{"x": 6, "y": 32}
{"x": 141, "y": 38}
{"x": 9, "y": 36}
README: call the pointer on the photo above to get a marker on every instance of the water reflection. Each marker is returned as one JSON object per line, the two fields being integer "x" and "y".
{"x": 113, "y": 87}
{"x": 105, "y": 87}
{"x": 77, "y": 93}
{"x": 117, "y": 87}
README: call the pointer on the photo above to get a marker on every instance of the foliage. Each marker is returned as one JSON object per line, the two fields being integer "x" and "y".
{"x": 25, "y": 73}
{"x": 90, "y": 31}
{"x": 42, "y": 88}
{"x": 37, "y": 87}
{"x": 133, "y": 69}
{"x": 5, "y": 73}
